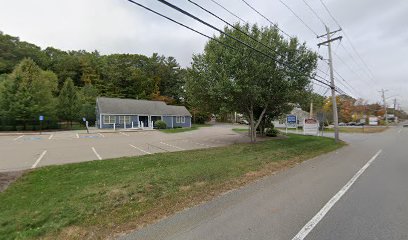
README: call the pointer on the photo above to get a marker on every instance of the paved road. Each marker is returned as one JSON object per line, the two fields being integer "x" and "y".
{"x": 374, "y": 206}
{"x": 19, "y": 152}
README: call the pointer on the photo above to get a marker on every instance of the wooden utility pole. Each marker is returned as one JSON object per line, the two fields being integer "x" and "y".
{"x": 332, "y": 84}
{"x": 385, "y": 105}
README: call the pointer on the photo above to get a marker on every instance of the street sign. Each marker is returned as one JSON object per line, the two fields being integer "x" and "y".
{"x": 41, "y": 118}
{"x": 84, "y": 119}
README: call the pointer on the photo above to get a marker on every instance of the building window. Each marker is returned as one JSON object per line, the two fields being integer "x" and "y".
{"x": 124, "y": 119}
{"x": 109, "y": 119}
{"x": 180, "y": 119}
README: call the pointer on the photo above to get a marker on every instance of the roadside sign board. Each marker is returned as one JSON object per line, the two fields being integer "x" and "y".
{"x": 41, "y": 118}
{"x": 291, "y": 121}
{"x": 310, "y": 126}
{"x": 84, "y": 119}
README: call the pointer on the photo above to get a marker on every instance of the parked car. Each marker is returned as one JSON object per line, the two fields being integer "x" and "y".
{"x": 243, "y": 121}
{"x": 352, "y": 124}
{"x": 342, "y": 124}
{"x": 360, "y": 124}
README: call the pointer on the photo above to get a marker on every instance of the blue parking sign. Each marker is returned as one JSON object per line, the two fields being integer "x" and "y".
{"x": 41, "y": 118}
{"x": 291, "y": 119}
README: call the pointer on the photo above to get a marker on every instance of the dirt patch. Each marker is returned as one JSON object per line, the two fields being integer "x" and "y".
{"x": 6, "y": 178}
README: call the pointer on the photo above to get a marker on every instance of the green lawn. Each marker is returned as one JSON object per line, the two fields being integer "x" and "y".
{"x": 358, "y": 129}
{"x": 179, "y": 130}
{"x": 98, "y": 198}
{"x": 240, "y": 130}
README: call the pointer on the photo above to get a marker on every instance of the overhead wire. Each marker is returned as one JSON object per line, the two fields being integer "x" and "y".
{"x": 315, "y": 13}
{"x": 233, "y": 14}
{"x": 207, "y": 24}
{"x": 298, "y": 17}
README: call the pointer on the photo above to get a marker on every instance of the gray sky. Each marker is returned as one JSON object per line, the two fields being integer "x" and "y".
{"x": 377, "y": 28}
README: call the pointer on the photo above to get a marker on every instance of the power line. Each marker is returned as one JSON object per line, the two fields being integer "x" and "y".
{"x": 226, "y": 45}
{"x": 315, "y": 13}
{"x": 300, "y": 19}
{"x": 348, "y": 39}
{"x": 233, "y": 14}
{"x": 232, "y": 37}
{"x": 267, "y": 19}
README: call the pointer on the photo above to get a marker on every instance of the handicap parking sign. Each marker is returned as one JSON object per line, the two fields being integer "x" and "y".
{"x": 41, "y": 118}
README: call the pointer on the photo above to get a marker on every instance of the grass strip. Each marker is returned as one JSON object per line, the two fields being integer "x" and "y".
{"x": 98, "y": 198}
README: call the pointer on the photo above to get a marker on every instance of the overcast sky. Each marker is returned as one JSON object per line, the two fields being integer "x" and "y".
{"x": 377, "y": 28}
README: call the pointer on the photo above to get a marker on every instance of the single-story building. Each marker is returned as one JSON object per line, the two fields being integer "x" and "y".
{"x": 131, "y": 113}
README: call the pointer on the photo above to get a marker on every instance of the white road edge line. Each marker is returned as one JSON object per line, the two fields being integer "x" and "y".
{"x": 172, "y": 146}
{"x": 100, "y": 134}
{"x": 302, "y": 234}
{"x": 124, "y": 134}
{"x": 96, "y": 153}
{"x": 15, "y": 139}
{"x": 52, "y": 135}
{"x": 39, "y": 159}
{"x": 140, "y": 149}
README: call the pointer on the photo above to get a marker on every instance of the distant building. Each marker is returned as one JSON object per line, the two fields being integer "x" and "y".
{"x": 130, "y": 113}
{"x": 298, "y": 112}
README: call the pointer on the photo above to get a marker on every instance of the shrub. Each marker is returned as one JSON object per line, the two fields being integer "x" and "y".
{"x": 272, "y": 132}
{"x": 160, "y": 124}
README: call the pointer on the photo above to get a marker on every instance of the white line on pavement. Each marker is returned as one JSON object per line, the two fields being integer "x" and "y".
{"x": 100, "y": 134}
{"x": 302, "y": 234}
{"x": 15, "y": 139}
{"x": 172, "y": 146}
{"x": 39, "y": 159}
{"x": 124, "y": 134}
{"x": 77, "y": 135}
{"x": 400, "y": 130}
{"x": 52, "y": 135}
{"x": 202, "y": 144}
{"x": 96, "y": 153}
{"x": 140, "y": 149}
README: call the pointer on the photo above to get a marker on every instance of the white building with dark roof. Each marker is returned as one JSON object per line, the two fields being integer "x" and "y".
{"x": 131, "y": 113}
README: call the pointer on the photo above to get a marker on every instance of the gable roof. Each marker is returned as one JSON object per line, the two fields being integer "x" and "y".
{"x": 140, "y": 107}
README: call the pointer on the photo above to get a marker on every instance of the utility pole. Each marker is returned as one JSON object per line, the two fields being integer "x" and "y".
{"x": 332, "y": 85}
{"x": 395, "y": 105}
{"x": 385, "y": 105}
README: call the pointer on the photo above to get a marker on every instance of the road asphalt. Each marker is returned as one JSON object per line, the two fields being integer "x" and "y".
{"x": 374, "y": 206}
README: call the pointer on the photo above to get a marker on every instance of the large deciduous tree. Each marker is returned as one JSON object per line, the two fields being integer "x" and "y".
{"x": 246, "y": 81}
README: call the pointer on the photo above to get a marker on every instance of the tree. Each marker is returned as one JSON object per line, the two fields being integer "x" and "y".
{"x": 68, "y": 102}
{"x": 248, "y": 82}
{"x": 28, "y": 92}
{"x": 88, "y": 95}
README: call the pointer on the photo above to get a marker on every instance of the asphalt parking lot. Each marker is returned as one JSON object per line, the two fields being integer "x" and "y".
{"x": 20, "y": 152}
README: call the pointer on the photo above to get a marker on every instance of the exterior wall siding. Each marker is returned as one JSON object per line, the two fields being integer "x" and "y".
{"x": 169, "y": 120}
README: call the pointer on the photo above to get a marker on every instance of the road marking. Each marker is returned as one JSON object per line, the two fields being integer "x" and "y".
{"x": 15, "y": 139}
{"x": 139, "y": 149}
{"x": 39, "y": 159}
{"x": 100, "y": 134}
{"x": 400, "y": 130}
{"x": 124, "y": 134}
{"x": 77, "y": 135}
{"x": 52, "y": 135}
{"x": 96, "y": 153}
{"x": 172, "y": 146}
{"x": 302, "y": 234}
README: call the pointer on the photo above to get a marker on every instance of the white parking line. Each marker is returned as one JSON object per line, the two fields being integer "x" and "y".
{"x": 96, "y": 153}
{"x": 201, "y": 144}
{"x": 39, "y": 159}
{"x": 172, "y": 146}
{"x": 140, "y": 149}
{"x": 15, "y": 139}
{"x": 400, "y": 130}
{"x": 52, "y": 135}
{"x": 320, "y": 215}
{"x": 77, "y": 135}
{"x": 100, "y": 134}
{"x": 124, "y": 134}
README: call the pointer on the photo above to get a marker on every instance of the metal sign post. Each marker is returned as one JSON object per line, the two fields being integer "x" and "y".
{"x": 86, "y": 124}
{"x": 41, "y": 118}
